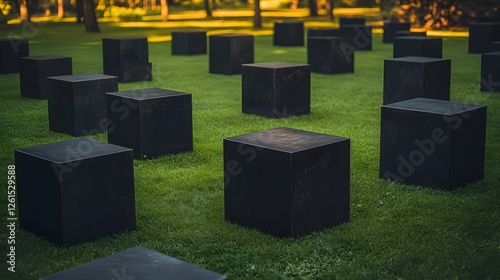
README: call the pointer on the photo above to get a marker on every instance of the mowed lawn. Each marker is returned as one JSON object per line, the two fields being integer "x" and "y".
{"x": 396, "y": 231}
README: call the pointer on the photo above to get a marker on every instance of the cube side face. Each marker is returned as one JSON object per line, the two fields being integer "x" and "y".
{"x": 124, "y": 117}
{"x": 362, "y": 36}
{"x": 288, "y": 34}
{"x": 402, "y": 81}
{"x": 258, "y": 90}
{"x": 343, "y": 55}
{"x": 134, "y": 50}
{"x": 111, "y": 57}
{"x": 219, "y": 55}
{"x": 481, "y": 35}
{"x": 490, "y": 73}
{"x": 257, "y": 188}
{"x": 351, "y": 21}
{"x": 390, "y": 28}
{"x": 189, "y": 43}
{"x": 437, "y": 80}
{"x": 38, "y": 193}
{"x": 166, "y": 126}
{"x": 61, "y": 106}
{"x": 321, "y": 188}
{"x": 413, "y": 47}
{"x": 415, "y": 148}
{"x": 197, "y": 43}
{"x": 98, "y": 198}
{"x": 56, "y": 67}
{"x": 293, "y": 91}
{"x": 136, "y": 72}
{"x": 242, "y": 52}
{"x": 320, "y": 55}
{"x": 29, "y": 79}
{"x": 468, "y": 140}
{"x": 10, "y": 51}
{"x": 322, "y": 32}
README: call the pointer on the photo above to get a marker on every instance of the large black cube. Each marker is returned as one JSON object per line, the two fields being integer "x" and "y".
{"x": 411, "y": 77}
{"x": 153, "y": 121}
{"x": 418, "y": 46}
{"x": 77, "y": 103}
{"x": 490, "y": 71}
{"x": 390, "y": 29}
{"x": 34, "y": 70}
{"x": 189, "y": 42}
{"x": 432, "y": 143}
{"x": 330, "y": 55}
{"x": 286, "y": 182}
{"x": 351, "y": 21}
{"x": 127, "y": 59}
{"x": 75, "y": 191}
{"x": 11, "y": 50}
{"x": 276, "y": 89}
{"x": 136, "y": 263}
{"x": 361, "y": 36}
{"x": 481, "y": 35}
{"x": 288, "y": 33}
{"x": 228, "y": 52}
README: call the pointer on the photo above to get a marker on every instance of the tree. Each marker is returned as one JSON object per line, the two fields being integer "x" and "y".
{"x": 329, "y": 9}
{"x": 313, "y": 8}
{"x": 164, "y": 10}
{"x": 60, "y": 8}
{"x": 207, "y": 8}
{"x": 79, "y": 11}
{"x": 89, "y": 17}
{"x": 257, "y": 19}
{"x": 24, "y": 11}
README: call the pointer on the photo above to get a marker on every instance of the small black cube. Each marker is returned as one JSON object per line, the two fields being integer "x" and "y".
{"x": 75, "y": 191}
{"x": 228, "y": 52}
{"x": 77, "y": 103}
{"x": 490, "y": 71}
{"x": 330, "y": 55}
{"x": 127, "y": 59}
{"x": 189, "y": 42}
{"x": 432, "y": 143}
{"x": 276, "y": 89}
{"x": 351, "y": 21}
{"x": 153, "y": 121}
{"x": 11, "y": 49}
{"x": 136, "y": 263}
{"x": 418, "y": 46}
{"x": 286, "y": 182}
{"x": 411, "y": 77}
{"x": 34, "y": 70}
{"x": 481, "y": 35}
{"x": 288, "y": 33}
{"x": 390, "y": 29}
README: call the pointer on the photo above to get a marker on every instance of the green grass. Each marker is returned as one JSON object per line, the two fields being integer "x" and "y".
{"x": 395, "y": 231}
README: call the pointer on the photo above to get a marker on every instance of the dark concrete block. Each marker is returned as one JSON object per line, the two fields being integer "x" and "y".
{"x": 189, "y": 42}
{"x": 495, "y": 46}
{"x": 77, "y": 103}
{"x": 390, "y": 29}
{"x": 351, "y": 21}
{"x": 411, "y": 77}
{"x": 127, "y": 59}
{"x": 361, "y": 36}
{"x": 136, "y": 263}
{"x": 34, "y": 71}
{"x": 330, "y": 55}
{"x": 11, "y": 50}
{"x": 432, "y": 143}
{"x": 276, "y": 89}
{"x": 418, "y": 46}
{"x": 323, "y": 32}
{"x": 481, "y": 35}
{"x": 75, "y": 191}
{"x": 288, "y": 33}
{"x": 490, "y": 71}
{"x": 404, "y": 33}
{"x": 153, "y": 122}
{"x": 228, "y": 52}
{"x": 286, "y": 182}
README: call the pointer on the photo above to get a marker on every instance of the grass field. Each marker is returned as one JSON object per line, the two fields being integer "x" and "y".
{"x": 395, "y": 232}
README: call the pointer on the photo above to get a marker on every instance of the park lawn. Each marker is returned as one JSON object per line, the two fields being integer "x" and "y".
{"x": 396, "y": 231}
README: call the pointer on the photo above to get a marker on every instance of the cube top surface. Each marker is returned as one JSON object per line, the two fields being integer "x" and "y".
{"x": 274, "y": 65}
{"x": 232, "y": 35}
{"x": 72, "y": 150}
{"x": 418, "y": 59}
{"x": 125, "y": 38}
{"x": 492, "y": 53}
{"x": 82, "y": 77}
{"x": 433, "y": 106}
{"x": 44, "y": 57}
{"x": 148, "y": 93}
{"x": 287, "y": 139}
{"x": 136, "y": 263}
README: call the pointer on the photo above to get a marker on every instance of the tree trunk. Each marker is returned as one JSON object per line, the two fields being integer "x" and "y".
{"x": 329, "y": 9}
{"x": 207, "y": 8}
{"x": 79, "y": 11}
{"x": 153, "y": 5}
{"x": 23, "y": 10}
{"x": 313, "y": 8}
{"x": 60, "y": 8}
{"x": 131, "y": 4}
{"x": 90, "y": 18}
{"x": 164, "y": 10}
{"x": 257, "y": 19}
{"x": 145, "y": 5}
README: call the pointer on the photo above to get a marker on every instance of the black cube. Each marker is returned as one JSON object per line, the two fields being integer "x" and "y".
{"x": 189, "y": 42}
{"x": 481, "y": 35}
{"x": 11, "y": 50}
{"x": 390, "y": 29}
{"x": 404, "y": 33}
{"x": 323, "y": 32}
{"x": 411, "y": 77}
{"x": 276, "y": 89}
{"x": 286, "y": 182}
{"x": 432, "y": 143}
{"x": 75, "y": 191}
{"x": 77, "y": 103}
{"x": 351, "y": 21}
{"x": 228, "y": 52}
{"x": 136, "y": 263}
{"x": 361, "y": 36}
{"x": 490, "y": 71}
{"x": 330, "y": 55}
{"x": 418, "y": 46}
{"x": 288, "y": 33}
{"x": 127, "y": 59}
{"x": 153, "y": 121}
{"x": 34, "y": 70}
